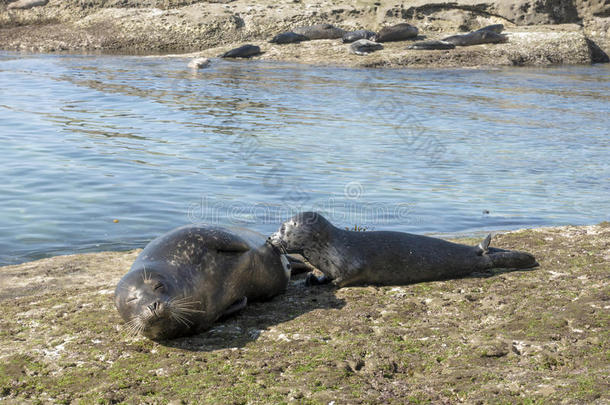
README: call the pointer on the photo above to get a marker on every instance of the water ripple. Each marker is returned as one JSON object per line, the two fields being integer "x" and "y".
{"x": 88, "y": 140}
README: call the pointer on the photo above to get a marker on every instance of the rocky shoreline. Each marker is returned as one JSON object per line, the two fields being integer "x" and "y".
{"x": 539, "y": 32}
{"x": 538, "y": 336}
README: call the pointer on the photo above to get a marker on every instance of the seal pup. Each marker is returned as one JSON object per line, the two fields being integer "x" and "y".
{"x": 288, "y": 38}
{"x": 387, "y": 258}
{"x": 244, "y": 51}
{"x": 353, "y": 36}
{"x": 431, "y": 45}
{"x": 320, "y": 31}
{"x": 364, "y": 47}
{"x": 398, "y": 32}
{"x": 476, "y": 38}
{"x": 186, "y": 279}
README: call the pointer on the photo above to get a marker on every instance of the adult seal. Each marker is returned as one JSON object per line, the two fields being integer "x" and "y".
{"x": 320, "y": 31}
{"x": 185, "y": 280}
{"x": 387, "y": 258}
{"x": 288, "y": 38}
{"x": 479, "y": 37}
{"x": 431, "y": 45}
{"x": 398, "y": 32}
{"x": 497, "y": 28}
{"x": 354, "y": 36}
{"x": 244, "y": 51}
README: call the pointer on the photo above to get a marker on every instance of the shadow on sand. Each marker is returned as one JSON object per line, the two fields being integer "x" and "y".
{"x": 247, "y": 325}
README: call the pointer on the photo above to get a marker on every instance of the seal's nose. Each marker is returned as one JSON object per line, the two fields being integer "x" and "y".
{"x": 155, "y": 307}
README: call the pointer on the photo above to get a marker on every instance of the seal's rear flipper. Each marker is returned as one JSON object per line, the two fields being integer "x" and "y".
{"x": 484, "y": 246}
{"x": 236, "y": 306}
{"x": 512, "y": 260}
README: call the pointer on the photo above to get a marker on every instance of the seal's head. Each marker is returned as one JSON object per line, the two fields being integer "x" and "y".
{"x": 151, "y": 305}
{"x": 301, "y": 231}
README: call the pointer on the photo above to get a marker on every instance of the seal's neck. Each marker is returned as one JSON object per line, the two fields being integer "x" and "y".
{"x": 265, "y": 274}
{"x": 325, "y": 252}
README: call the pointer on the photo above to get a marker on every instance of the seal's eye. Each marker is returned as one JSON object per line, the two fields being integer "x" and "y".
{"x": 158, "y": 287}
{"x": 131, "y": 299}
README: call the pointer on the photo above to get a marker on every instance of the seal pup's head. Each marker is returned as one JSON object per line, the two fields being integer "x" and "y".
{"x": 151, "y": 305}
{"x": 304, "y": 230}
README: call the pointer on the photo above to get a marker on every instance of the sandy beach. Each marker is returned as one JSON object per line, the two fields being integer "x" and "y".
{"x": 537, "y": 336}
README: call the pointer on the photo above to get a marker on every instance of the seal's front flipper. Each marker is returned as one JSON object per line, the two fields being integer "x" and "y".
{"x": 484, "y": 246}
{"x": 235, "y": 307}
{"x": 298, "y": 266}
{"x": 286, "y": 265}
{"x": 312, "y": 279}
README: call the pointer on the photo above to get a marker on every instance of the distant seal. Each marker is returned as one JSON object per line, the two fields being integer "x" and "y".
{"x": 199, "y": 63}
{"x": 476, "y": 38}
{"x": 497, "y": 28}
{"x": 288, "y": 38}
{"x": 26, "y": 4}
{"x": 320, "y": 31}
{"x": 183, "y": 281}
{"x": 431, "y": 45}
{"x": 244, "y": 51}
{"x": 387, "y": 258}
{"x": 398, "y": 32}
{"x": 364, "y": 47}
{"x": 353, "y": 36}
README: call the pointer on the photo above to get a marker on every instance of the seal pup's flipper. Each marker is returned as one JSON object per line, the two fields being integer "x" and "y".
{"x": 235, "y": 307}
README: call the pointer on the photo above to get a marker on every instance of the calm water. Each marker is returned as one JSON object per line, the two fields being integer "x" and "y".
{"x": 87, "y": 140}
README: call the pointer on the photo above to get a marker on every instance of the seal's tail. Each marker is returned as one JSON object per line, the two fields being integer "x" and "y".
{"x": 507, "y": 259}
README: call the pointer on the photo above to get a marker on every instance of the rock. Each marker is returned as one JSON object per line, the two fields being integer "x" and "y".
{"x": 398, "y": 32}
{"x": 431, "y": 45}
{"x": 364, "y": 47}
{"x": 199, "y": 63}
{"x": 598, "y": 38}
{"x": 288, "y": 38}
{"x": 353, "y": 36}
{"x": 530, "y": 12}
{"x": 519, "y": 12}
{"x": 244, "y": 51}
{"x": 26, "y": 4}
{"x": 320, "y": 31}
{"x": 493, "y": 349}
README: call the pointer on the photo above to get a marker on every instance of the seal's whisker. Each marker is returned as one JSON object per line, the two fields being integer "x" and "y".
{"x": 193, "y": 306}
{"x": 184, "y": 321}
{"x": 184, "y": 304}
{"x": 134, "y": 327}
{"x": 184, "y": 299}
{"x": 181, "y": 319}
{"x": 187, "y": 310}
